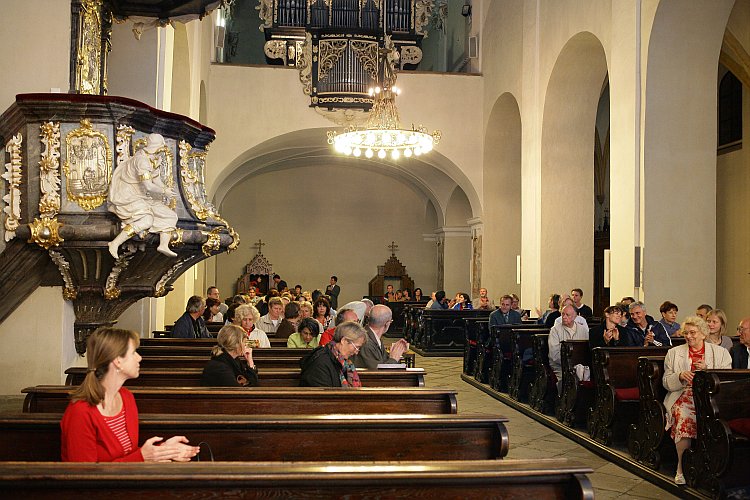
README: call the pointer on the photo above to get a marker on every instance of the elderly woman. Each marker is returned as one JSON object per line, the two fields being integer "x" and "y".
{"x": 231, "y": 363}
{"x": 101, "y": 422}
{"x": 307, "y": 336}
{"x": 610, "y": 333}
{"x": 246, "y": 316}
{"x": 330, "y": 365}
{"x": 680, "y": 365}
{"x": 717, "y": 329}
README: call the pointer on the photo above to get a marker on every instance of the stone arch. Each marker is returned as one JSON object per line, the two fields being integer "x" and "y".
{"x": 501, "y": 188}
{"x": 678, "y": 188}
{"x": 567, "y": 157}
{"x": 457, "y": 243}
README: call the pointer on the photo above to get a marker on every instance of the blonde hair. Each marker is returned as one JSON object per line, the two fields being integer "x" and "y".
{"x": 229, "y": 339}
{"x": 697, "y": 322}
{"x": 246, "y": 311}
{"x": 306, "y": 305}
{"x": 722, "y": 319}
{"x": 103, "y": 346}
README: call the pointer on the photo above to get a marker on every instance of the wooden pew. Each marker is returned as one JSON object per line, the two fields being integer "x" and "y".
{"x": 614, "y": 371}
{"x": 263, "y": 400}
{"x": 522, "y": 373}
{"x": 501, "y": 342}
{"x": 575, "y": 397}
{"x": 540, "y": 478}
{"x": 36, "y": 437}
{"x": 443, "y": 332}
{"x": 648, "y": 439}
{"x": 476, "y": 334}
{"x": 161, "y": 336}
{"x": 172, "y": 362}
{"x": 205, "y": 351}
{"x": 543, "y": 389}
{"x": 191, "y": 377}
{"x": 719, "y": 459}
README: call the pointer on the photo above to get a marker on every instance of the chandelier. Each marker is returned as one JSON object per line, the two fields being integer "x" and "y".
{"x": 383, "y": 135}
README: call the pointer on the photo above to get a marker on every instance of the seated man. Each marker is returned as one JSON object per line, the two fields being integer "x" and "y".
{"x": 702, "y": 311}
{"x": 568, "y": 329}
{"x": 583, "y": 310}
{"x": 505, "y": 315}
{"x": 288, "y": 325}
{"x": 270, "y": 322}
{"x": 345, "y": 314}
{"x": 741, "y": 352}
{"x": 191, "y": 325}
{"x": 643, "y": 330}
{"x": 373, "y": 352}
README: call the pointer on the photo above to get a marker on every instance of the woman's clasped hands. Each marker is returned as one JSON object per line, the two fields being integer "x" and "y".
{"x": 174, "y": 449}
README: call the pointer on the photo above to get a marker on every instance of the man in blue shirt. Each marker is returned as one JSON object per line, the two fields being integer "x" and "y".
{"x": 643, "y": 330}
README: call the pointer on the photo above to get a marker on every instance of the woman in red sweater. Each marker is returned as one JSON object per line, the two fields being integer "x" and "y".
{"x": 101, "y": 421}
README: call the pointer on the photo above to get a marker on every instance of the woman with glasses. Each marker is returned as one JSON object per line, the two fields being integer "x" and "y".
{"x": 330, "y": 365}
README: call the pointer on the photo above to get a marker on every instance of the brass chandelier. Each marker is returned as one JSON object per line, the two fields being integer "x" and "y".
{"x": 383, "y": 134}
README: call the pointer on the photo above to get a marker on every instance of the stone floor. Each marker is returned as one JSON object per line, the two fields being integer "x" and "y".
{"x": 530, "y": 439}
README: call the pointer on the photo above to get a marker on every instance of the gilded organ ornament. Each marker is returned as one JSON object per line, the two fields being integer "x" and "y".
{"x": 275, "y": 49}
{"x": 410, "y": 54}
{"x": 45, "y": 232}
{"x": 88, "y": 166}
{"x": 49, "y": 170}
{"x": 266, "y": 13}
{"x": 304, "y": 63}
{"x": 89, "y": 60}
{"x": 192, "y": 172}
{"x": 13, "y": 176}
{"x": 367, "y": 55}
{"x": 330, "y": 53}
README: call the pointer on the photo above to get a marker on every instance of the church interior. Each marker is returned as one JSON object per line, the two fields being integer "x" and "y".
{"x": 592, "y": 144}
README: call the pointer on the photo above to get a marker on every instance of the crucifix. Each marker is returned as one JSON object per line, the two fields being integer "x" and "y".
{"x": 393, "y": 248}
{"x": 259, "y": 246}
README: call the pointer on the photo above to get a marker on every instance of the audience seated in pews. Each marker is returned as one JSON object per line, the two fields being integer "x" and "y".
{"x": 668, "y": 319}
{"x": 373, "y": 353}
{"x": 515, "y": 305}
{"x": 246, "y": 316}
{"x": 437, "y": 301}
{"x": 101, "y": 422}
{"x": 461, "y": 302}
{"x": 643, "y": 330}
{"x": 741, "y": 352}
{"x": 717, "y": 329}
{"x": 212, "y": 314}
{"x": 583, "y": 310}
{"x": 505, "y": 315}
{"x": 610, "y": 333}
{"x": 345, "y": 314}
{"x": 418, "y": 295}
{"x": 322, "y": 312}
{"x": 231, "y": 363}
{"x": 680, "y": 365}
{"x": 484, "y": 295}
{"x": 390, "y": 295}
{"x": 191, "y": 324}
{"x": 213, "y": 293}
{"x": 270, "y": 322}
{"x": 407, "y": 295}
{"x": 307, "y": 335}
{"x": 548, "y": 317}
{"x": 567, "y": 300}
{"x": 568, "y": 329}
{"x": 330, "y": 365}
{"x": 702, "y": 311}
{"x": 288, "y": 325}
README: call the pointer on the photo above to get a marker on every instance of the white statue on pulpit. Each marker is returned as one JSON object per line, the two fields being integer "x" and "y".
{"x": 136, "y": 196}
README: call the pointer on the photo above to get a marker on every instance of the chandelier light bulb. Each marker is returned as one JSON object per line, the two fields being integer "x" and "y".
{"x": 407, "y": 152}
{"x": 381, "y": 154}
{"x": 368, "y": 153}
{"x": 395, "y": 154}
{"x": 357, "y": 152}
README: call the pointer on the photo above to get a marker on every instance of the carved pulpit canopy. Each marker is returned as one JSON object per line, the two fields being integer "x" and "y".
{"x": 393, "y": 269}
{"x": 65, "y": 154}
{"x": 257, "y": 273}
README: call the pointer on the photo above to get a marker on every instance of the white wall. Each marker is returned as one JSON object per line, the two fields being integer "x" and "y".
{"x": 328, "y": 220}
{"x": 36, "y": 342}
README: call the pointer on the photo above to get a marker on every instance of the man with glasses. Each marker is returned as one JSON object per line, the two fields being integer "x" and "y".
{"x": 373, "y": 353}
{"x": 741, "y": 352}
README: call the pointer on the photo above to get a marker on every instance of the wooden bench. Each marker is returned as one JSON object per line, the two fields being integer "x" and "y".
{"x": 576, "y": 396}
{"x": 523, "y": 372}
{"x": 36, "y": 437}
{"x": 501, "y": 345}
{"x": 476, "y": 334}
{"x": 648, "y": 439}
{"x": 614, "y": 371}
{"x": 263, "y": 363}
{"x": 263, "y": 400}
{"x": 205, "y": 351}
{"x": 443, "y": 332}
{"x": 543, "y": 389}
{"x": 191, "y": 377}
{"x": 539, "y": 478}
{"x": 719, "y": 459}
{"x": 159, "y": 337}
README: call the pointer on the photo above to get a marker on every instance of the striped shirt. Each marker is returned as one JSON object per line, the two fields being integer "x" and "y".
{"x": 118, "y": 428}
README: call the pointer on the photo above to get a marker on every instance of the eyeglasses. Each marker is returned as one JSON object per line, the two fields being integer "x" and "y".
{"x": 355, "y": 346}
{"x": 742, "y": 329}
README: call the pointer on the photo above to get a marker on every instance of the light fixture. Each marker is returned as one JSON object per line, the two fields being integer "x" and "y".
{"x": 383, "y": 134}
